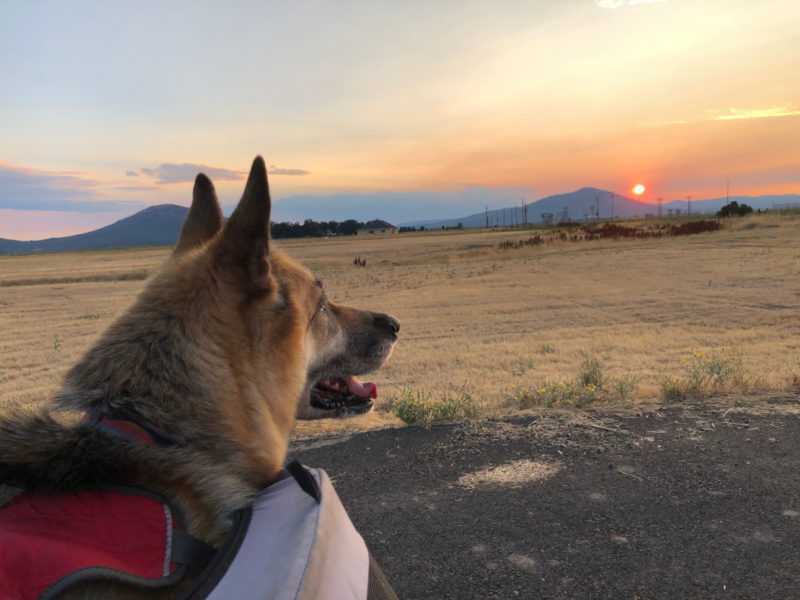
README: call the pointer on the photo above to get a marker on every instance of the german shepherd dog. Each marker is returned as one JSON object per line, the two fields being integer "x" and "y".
{"x": 221, "y": 351}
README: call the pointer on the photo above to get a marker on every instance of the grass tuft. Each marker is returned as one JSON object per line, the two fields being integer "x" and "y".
{"x": 414, "y": 406}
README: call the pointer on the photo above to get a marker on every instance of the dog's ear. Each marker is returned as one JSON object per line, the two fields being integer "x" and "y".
{"x": 244, "y": 245}
{"x": 204, "y": 218}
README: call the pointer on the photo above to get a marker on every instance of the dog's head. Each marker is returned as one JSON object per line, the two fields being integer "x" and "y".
{"x": 233, "y": 339}
{"x": 298, "y": 340}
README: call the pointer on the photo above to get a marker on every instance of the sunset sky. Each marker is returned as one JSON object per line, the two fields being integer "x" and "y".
{"x": 398, "y": 110}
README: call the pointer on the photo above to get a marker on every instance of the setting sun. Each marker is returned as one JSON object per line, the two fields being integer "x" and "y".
{"x": 638, "y": 189}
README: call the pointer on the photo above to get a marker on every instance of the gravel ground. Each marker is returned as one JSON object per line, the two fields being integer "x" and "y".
{"x": 670, "y": 503}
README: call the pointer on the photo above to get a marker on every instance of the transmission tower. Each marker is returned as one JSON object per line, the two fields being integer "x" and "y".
{"x": 689, "y": 201}
{"x": 487, "y": 216}
{"x": 660, "y": 200}
{"x": 598, "y": 207}
{"x": 612, "y": 206}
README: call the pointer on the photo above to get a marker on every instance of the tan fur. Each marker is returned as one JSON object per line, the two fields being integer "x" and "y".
{"x": 214, "y": 355}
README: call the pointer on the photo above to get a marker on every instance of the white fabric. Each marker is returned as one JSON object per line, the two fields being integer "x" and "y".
{"x": 297, "y": 549}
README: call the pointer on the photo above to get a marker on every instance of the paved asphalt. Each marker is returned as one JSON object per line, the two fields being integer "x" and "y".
{"x": 677, "y": 503}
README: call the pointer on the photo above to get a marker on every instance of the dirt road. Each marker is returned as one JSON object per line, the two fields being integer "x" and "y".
{"x": 674, "y": 503}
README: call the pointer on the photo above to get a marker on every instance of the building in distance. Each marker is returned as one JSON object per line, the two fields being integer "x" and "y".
{"x": 376, "y": 227}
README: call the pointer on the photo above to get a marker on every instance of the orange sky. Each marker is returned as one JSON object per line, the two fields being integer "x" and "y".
{"x": 542, "y": 96}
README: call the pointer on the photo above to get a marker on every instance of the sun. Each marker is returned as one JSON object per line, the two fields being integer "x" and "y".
{"x": 638, "y": 189}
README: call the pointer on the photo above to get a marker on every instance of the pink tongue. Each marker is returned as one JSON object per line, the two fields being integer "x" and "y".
{"x": 362, "y": 390}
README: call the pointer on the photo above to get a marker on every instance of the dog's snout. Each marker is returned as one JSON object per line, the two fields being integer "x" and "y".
{"x": 388, "y": 322}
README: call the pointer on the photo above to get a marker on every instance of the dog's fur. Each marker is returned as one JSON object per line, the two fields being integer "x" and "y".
{"x": 218, "y": 354}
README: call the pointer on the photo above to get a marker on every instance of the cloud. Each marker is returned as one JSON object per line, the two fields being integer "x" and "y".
{"x": 186, "y": 173}
{"x": 131, "y": 173}
{"x": 273, "y": 170}
{"x": 30, "y": 189}
{"x": 137, "y": 188}
{"x": 758, "y": 113}
{"x": 618, "y": 3}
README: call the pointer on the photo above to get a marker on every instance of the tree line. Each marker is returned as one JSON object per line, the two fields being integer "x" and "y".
{"x": 311, "y": 228}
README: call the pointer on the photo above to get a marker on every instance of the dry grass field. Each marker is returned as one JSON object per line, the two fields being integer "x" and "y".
{"x": 469, "y": 311}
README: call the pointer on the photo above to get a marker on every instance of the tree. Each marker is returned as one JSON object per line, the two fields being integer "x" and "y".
{"x": 460, "y": 225}
{"x": 734, "y": 209}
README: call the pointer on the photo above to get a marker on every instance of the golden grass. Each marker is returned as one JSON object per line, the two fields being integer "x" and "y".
{"x": 468, "y": 310}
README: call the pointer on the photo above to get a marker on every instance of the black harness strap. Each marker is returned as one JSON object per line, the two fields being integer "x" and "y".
{"x": 188, "y": 550}
{"x": 305, "y": 480}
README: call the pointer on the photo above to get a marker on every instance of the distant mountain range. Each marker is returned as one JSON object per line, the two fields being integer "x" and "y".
{"x": 160, "y": 225}
{"x": 584, "y": 202}
{"x": 154, "y": 226}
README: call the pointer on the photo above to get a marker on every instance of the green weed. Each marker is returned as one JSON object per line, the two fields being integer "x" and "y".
{"x": 624, "y": 385}
{"x": 413, "y": 406}
{"x": 590, "y": 373}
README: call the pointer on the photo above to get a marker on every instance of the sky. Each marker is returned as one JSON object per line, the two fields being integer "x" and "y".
{"x": 395, "y": 110}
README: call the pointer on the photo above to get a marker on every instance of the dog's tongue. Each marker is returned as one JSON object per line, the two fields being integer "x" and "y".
{"x": 362, "y": 390}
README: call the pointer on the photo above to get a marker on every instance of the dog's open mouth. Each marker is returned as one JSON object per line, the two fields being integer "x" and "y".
{"x": 344, "y": 392}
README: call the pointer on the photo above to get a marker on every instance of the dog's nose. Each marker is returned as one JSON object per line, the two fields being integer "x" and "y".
{"x": 394, "y": 324}
{"x": 388, "y": 322}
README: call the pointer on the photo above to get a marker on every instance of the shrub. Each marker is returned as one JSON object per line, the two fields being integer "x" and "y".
{"x": 715, "y": 368}
{"x": 624, "y": 385}
{"x": 413, "y": 406}
{"x": 671, "y": 388}
{"x": 567, "y": 394}
{"x": 590, "y": 373}
{"x": 734, "y": 209}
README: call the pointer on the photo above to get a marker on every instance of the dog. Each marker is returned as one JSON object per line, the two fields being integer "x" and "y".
{"x": 222, "y": 350}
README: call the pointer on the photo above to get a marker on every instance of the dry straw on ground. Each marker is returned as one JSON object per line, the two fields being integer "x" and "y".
{"x": 511, "y": 474}
{"x": 469, "y": 311}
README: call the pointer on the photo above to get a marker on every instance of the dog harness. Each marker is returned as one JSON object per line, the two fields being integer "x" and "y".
{"x": 295, "y": 542}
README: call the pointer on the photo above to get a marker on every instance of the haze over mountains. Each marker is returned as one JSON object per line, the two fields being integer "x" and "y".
{"x": 584, "y": 202}
{"x": 160, "y": 225}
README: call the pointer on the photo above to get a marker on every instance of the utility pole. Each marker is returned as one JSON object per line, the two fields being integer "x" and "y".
{"x": 689, "y": 200}
{"x": 612, "y": 206}
{"x": 487, "y": 216}
{"x": 504, "y": 218}
{"x": 525, "y": 209}
{"x": 598, "y": 207}
{"x": 660, "y": 200}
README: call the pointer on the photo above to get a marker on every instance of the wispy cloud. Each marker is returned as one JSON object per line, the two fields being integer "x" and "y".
{"x": 273, "y": 170}
{"x": 186, "y": 172}
{"x": 138, "y": 188}
{"x": 618, "y": 3}
{"x": 778, "y": 111}
{"x": 131, "y": 173}
{"x": 22, "y": 188}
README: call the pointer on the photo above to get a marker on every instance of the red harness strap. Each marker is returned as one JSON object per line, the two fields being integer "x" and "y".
{"x": 49, "y": 541}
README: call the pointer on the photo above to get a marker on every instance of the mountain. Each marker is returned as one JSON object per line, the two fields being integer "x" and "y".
{"x": 579, "y": 203}
{"x": 153, "y": 226}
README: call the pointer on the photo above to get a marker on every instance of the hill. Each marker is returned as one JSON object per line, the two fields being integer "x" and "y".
{"x": 579, "y": 203}
{"x": 153, "y": 226}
